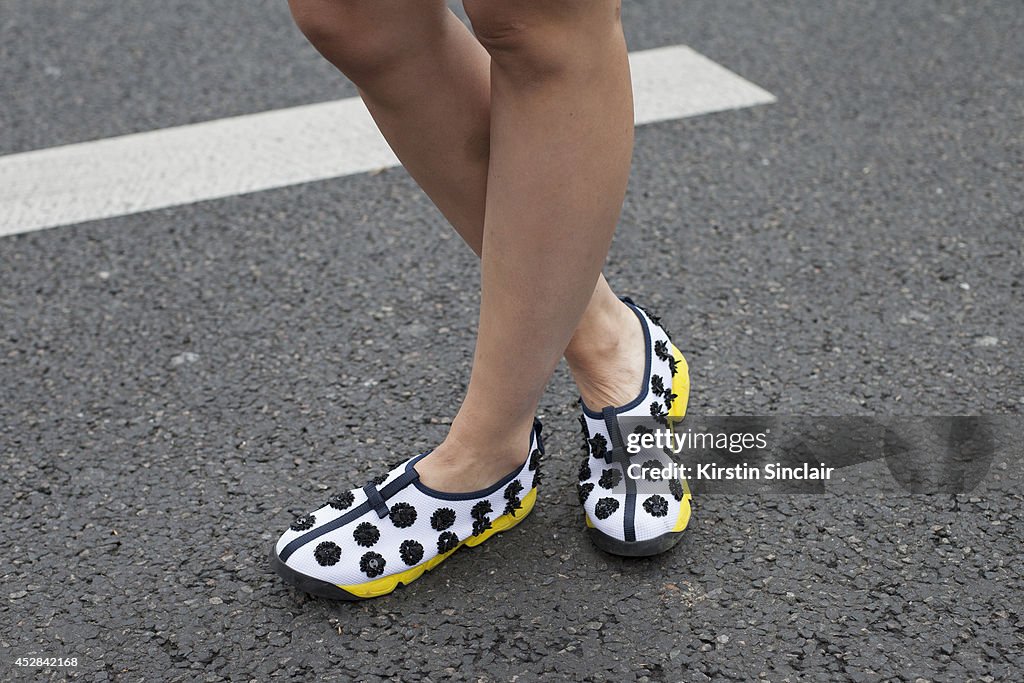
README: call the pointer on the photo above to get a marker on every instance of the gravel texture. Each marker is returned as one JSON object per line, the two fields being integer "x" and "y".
{"x": 175, "y": 386}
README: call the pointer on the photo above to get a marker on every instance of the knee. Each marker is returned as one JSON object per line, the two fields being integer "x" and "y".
{"x": 354, "y": 35}
{"x": 539, "y": 37}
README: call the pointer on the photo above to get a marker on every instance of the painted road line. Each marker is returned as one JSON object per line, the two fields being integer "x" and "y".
{"x": 173, "y": 166}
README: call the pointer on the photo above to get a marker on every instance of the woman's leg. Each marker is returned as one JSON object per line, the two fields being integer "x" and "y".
{"x": 559, "y": 137}
{"x": 561, "y": 141}
{"x": 424, "y": 79}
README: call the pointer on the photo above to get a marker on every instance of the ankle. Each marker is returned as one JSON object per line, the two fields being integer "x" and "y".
{"x": 472, "y": 443}
{"x": 465, "y": 462}
{"x": 607, "y": 358}
{"x": 605, "y": 332}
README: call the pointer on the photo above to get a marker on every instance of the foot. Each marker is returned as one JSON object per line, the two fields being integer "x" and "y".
{"x": 628, "y": 515}
{"x": 607, "y": 357}
{"x": 366, "y": 542}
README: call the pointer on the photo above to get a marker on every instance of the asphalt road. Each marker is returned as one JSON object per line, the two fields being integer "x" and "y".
{"x": 176, "y": 385}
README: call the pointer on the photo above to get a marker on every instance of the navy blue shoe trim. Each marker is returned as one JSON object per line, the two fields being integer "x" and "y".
{"x": 618, "y": 453}
{"x": 441, "y": 495}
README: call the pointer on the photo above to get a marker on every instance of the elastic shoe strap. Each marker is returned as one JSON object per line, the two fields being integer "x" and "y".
{"x": 617, "y": 452}
{"x": 377, "y": 499}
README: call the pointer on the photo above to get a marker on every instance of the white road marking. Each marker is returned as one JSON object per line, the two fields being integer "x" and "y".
{"x": 173, "y": 166}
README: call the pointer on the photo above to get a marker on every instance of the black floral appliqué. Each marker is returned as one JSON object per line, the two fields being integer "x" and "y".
{"x": 342, "y": 501}
{"x": 583, "y": 491}
{"x": 512, "y": 502}
{"x": 661, "y": 349}
{"x": 605, "y": 507}
{"x": 598, "y": 445}
{"x": 411, "y": 552}
{"x": 403, "y": 515}
{"x": 442, "y": 519}
{"x": 654, "y": 319}
{"x": 534, "y": 460}
{"x": 610, "y": 478}
{"x": 481, "y": 522}
{"x": 658, "y": 412}
{"x": 676, "y": 488}
{"x": 327, "y": 553}
{"x": 372, "y": 564}
{"x": 380, "y": 479}
{"x": 669, "y": 398}
{"x": 447, "y": 541}
{"x": 366, "y": 534}
{"x": 304, "y": 522}
{"x": 585, "y": 472}
{"x": 513, "y": 490}
{"x": 673, "y": 366}
{"x": 586, "y": 434}
{"x": 659, "y": 389}
{"x": 656, "y": 506}
{"x": 649, "y": 466}
{"x": 535, "y": 467}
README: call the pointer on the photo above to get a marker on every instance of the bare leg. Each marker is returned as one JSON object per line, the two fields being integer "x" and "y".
{"x": 560, "y": 139}
{"x": 425, "y": 80}
{"x": 561, "y": 142}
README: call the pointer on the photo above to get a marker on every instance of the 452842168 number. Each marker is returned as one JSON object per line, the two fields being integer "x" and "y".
{"x": 44, "y": 662}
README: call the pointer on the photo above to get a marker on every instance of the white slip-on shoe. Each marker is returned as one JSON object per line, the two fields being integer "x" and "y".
{"x": 366, "y": 542}
{"x": 631, "y": 515}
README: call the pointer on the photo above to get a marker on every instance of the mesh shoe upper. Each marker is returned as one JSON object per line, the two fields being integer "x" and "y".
{"x": 616, "y": 504}
{"x": 396, "y": 523}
